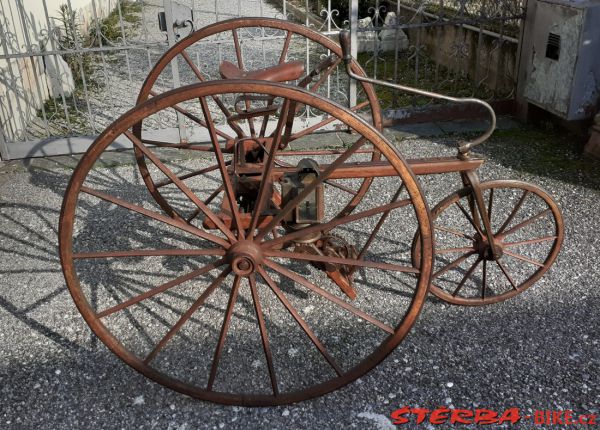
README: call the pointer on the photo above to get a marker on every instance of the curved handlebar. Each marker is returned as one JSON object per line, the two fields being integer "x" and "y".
{"x": 463, "y": 148}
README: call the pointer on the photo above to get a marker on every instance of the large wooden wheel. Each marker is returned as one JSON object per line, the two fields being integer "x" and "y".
{"x": 250, "y": 43}
{"x": 528, "y": 232}
{"x": 240, "y": 312}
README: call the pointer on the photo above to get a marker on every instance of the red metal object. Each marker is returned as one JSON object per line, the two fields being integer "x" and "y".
{"x": 271, "y": 233}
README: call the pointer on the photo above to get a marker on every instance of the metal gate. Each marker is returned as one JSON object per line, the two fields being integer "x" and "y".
{"x": 68, "y": 69}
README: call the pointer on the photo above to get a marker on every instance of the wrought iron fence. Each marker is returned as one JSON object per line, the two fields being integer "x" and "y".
{"x": 69, "y": 71}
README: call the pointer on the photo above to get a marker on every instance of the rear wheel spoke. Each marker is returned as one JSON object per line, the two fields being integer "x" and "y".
{"x": 187, "y": 315}
{"x": 181, "y": 185}
{"x": 325, "y": 294}
{"x": 224, "y": 328}
{"x": 294, "y": 313}
{"x": 342, "y": 261}
{"x": 191, "y": 174}
{"x": 159, "y": 217}
{"x": 334, "y": 223}
{"x": 161, "y": 288}
{"x": 148, "y": 253}
{"x": 263, "y": 334}
{"x": 231, "y": 198}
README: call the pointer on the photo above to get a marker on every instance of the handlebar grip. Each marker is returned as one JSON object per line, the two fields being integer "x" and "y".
{"x": 344, "y": 38}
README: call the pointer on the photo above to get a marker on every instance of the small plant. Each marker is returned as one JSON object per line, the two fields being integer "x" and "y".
{"x": 71, "y": 38}
{"x": 110, "y": 29}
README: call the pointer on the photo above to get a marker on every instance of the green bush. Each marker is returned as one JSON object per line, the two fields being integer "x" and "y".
{"x": 110, "y": 27}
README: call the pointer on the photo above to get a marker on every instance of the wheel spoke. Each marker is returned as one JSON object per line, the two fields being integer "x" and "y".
{"x": 181, "y": 185}
{"x": 327, "y": 295}
{"x": 530, "y": 241}
{"x": 323, "y": 123}
{"x": 452, "y": 265}
{"x": 191, "y": 174}
{"x": 467, "y": 274}
{"x": 209, "y": 199}
{"x": 333, "y": 223}
{"x": 505, "y": 271}
{"x": 342, "y": 261}
{"x": 311, "y": 335}
{"x": 454, "y": 250}
{"x": 224, "y": 328}
{"x": 382, "y": 219}
{"x": 161, "y": 288}
{"x": 266, "y": 183}
{"x": 309, "y": 189}
{"x": 484, "y": 279}
{"x": 223, "y": 169}
{"x": 240, "y": 61}
{"x": 526, "y": 222}
{"x": 513, "y": 212}
{"x": 468, "y": 216}
{"x": 454, "y": 232}
{"x": 340, "y": 186}
{"x": 217, "y": 99}
{"x": 490, "y": 203}
{"x": 148, "y": 253}
{"x": 187, "y": 315}
{"x": 286, "y": 46}
{"x": 263, "y": 334}
{"x": 523, "y": 258}
{"x": 194, "y": 118}
{"x": 325, "y": 75}
{"x": 188, "y": 146}
{"x": 159, "y": 217}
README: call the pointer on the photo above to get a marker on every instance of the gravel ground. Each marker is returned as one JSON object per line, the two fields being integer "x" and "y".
{"x": 537, "y": 351}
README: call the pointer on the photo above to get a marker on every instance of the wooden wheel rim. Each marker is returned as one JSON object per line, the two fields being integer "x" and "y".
{"x": 233, "y": 24}
{"x": 200, "y": 90}
{"x": 530, "y": 280}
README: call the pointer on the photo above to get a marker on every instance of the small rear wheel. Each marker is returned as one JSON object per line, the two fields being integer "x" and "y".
{"x": 528, "y": 233}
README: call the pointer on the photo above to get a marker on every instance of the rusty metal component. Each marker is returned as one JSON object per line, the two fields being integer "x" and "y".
{"x": 243, "y": 251}
{"x": 527, "y": 231}
{"x": 268, "y": 206}
{"x": 324, "y": 69}
{"x": 310, "y": 209}
{"x": 328, "y": 245}
{"x": 244, "y": 257}
{"x": 464, "y": 148}
{"x": 279, "y": 73}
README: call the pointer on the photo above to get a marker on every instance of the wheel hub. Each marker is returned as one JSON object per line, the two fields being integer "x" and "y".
{"x": 486, "y": 250}
{"x": 244, "y": 256}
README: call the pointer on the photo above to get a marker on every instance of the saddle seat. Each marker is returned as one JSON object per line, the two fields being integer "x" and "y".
{"x": 279, "y": 73}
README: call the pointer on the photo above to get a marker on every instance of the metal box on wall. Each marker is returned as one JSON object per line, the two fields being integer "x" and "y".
{"x": 565, "y": 72}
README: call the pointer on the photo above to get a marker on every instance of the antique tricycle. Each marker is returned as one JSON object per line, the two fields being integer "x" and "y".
{"x": 267, "y": 265}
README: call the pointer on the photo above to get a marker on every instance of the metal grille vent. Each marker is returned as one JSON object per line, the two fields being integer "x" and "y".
{"x": 553, "y": 46}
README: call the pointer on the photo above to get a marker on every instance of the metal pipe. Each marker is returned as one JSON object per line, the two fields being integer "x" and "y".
{"x": 463, "y": 148}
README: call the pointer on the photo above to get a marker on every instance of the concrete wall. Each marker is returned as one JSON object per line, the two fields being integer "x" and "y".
{"x": 496, "y": 64}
